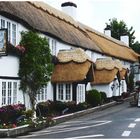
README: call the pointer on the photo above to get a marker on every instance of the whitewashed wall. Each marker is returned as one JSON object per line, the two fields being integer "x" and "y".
{"x": 50, "y": 91}
{"x": 94, "y": 55}
{"x": 104, "y": 88}
{"x": 116, "y": 89}
{"x": 123, "y": 86}
{"x": 20, "y": 29}
{"x": 9, "y": 66}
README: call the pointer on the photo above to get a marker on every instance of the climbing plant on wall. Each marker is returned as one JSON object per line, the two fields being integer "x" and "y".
{"x": 35, "y": 64}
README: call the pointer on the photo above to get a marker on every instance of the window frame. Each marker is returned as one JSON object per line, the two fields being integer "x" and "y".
{"x": 8, "y": 92}
{"x": 11, "y": 29}
{"x": 64, "y": 89}
{"x": 43, "y": 95}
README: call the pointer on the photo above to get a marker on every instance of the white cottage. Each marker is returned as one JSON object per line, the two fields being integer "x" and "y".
{"x": 109, "y": 76}
{"x": 71, "y": 75}
{"x": 63, "y": 32}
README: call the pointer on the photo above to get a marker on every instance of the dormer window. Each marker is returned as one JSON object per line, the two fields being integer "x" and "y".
{"x": 11, "y": 27}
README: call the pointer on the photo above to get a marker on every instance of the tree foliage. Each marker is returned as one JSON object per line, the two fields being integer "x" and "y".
{"x": 119, "y": 28}
{"x": 35, "y": 64}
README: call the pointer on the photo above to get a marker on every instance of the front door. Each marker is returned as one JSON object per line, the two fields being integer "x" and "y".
{"x": 80, "y": 93}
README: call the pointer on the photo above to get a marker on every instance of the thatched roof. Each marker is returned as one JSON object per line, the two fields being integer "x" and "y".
{"x": 76, "y": 55}
{"x": 108, "y": 64}
{"x": 47, "y": 20}
{"x": 107, "y": 69}
{"x": 104, "y": 76}
{"x": 71, "y": 72}
{"x": 111, "y": 46}
{"x": 123, "y": 74}
{"x": 52, "y": 22}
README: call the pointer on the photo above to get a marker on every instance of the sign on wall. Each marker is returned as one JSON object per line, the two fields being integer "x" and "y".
{"x": 3, "y": 41}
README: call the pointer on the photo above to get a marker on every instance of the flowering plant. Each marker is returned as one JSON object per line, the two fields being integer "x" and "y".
{"x": 20, "y": 48}
{"x": 10, "y": 113}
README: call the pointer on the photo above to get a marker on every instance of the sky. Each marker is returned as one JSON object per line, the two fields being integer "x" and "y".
{"x": 95, "y": 13}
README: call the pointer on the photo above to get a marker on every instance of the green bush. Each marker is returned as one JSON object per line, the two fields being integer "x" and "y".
{"x": 43, "y": 108}
{"x": 93, "y": 97}
{"x": 58, "y": 106}
{"x": 103, "y": 97}
{"x": 55, "y": 108}
{"x": 29, "y": 113}
{"x": 71, "y": 105}
{"x": 82, "y": 106}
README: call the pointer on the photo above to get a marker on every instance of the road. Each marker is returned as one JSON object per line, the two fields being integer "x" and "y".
{"x": 120, "y": 121}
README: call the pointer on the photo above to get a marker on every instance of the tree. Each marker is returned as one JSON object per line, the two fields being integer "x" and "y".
{"x": 35, "y": 64}
{"x": 136, "y": 47}
{"x": 119, "y": 28}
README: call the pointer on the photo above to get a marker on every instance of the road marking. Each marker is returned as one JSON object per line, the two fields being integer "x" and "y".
{"x": 132, "y": 125}
{"x": 137, "y": 120}
{"x": 88, "y": 136}
{"x": 65, "y": 130}
{"x": 55, "y": 129}
{"x": 126, "y": 133}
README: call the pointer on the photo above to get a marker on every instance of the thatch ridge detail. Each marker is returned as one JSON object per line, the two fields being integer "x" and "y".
{"x": 76, "y": 55}
{"x": 108, "y": 64}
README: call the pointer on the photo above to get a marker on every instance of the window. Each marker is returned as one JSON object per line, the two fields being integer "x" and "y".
{"x": 14, "y": 34}
{"x": 68, "y": 91}
{"x": 123, "y": 82}
{"x": 64, "y": 92}
{"x": 53, "y": 47}
{"x": 3, "y": 93}
{"x": 14, "y": 92}
{"x": 9, "y": 92}
{"x": 12, "y": 29}
{"x": 9, "y": 30}
{"x": 2, "y": 23}
{"x": 80, "y": 93}
{"x": 60, "y": 92}
{"x": 42, "y": 96}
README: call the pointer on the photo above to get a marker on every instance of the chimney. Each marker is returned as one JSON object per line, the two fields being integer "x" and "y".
{"x": 107, "y": 31}
{"x": 125, "y": 38}
{"x": 69, "y": 8}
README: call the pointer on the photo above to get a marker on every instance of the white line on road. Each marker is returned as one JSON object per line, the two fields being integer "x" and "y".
{"x": 88, "y": 136}
{"x": 126, "y": 133}
{"x": 132, "y": 125}
{"x": 65, "y": 130}
{"x": 54, "y": 130}
{"x": 137, "y": 120}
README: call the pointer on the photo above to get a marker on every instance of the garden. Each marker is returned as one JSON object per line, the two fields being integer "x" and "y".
{"x": 12, "y": 116}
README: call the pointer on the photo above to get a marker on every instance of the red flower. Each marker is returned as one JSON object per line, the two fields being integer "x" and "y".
{"x": 21, "y": 48}
{"x": 14, "y": 125}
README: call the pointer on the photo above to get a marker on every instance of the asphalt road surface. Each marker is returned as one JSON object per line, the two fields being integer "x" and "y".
{"x": 120, "y": 121}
